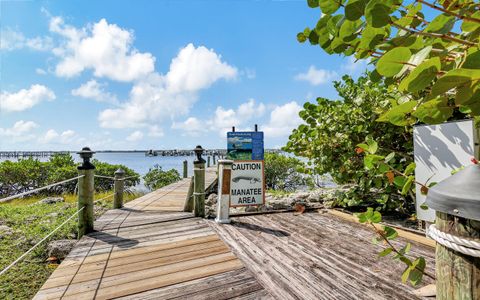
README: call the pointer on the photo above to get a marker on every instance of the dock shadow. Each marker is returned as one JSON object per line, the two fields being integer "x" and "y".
{"x": 114, "y": 240}
{"x": 254, "y": 227}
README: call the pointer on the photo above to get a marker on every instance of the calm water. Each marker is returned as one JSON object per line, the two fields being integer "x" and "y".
{"x": 138, "y": 161}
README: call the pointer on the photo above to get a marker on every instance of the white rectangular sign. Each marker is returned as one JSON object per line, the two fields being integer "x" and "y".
{"x": 247, "y": 183}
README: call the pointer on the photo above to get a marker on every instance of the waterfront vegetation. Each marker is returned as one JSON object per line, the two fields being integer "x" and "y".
{"x": 24, "y": 222}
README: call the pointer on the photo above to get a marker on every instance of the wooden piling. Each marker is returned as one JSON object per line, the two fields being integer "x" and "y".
{"x": 457, "y": 274}
{"x": 208, "y": 161}
{"x": 86, "y": 190}
{"x": 199, "y": 188}
{"x": 189, "y": 202}
{"x": 119, "y": 185}
{"x": 185, "y": 169}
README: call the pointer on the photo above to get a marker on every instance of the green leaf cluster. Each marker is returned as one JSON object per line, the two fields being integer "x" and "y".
{"x": 434, "y": 61}
{"x": 285, "y": 173}
{"x": 30, "y": 173}
{"x": 156, "y": 177}
{"x": 339, "y": 137}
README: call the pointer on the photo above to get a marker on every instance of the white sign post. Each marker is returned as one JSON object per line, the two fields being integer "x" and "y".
{"x": 247, "y": 183}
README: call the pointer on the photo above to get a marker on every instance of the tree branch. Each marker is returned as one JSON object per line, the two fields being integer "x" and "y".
{"x": 435, "y": 35}
{"x": 451, "y": 13}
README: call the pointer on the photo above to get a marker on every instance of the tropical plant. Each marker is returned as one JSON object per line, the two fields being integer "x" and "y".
{"x": 332, "y": 130}
{"x": 28, "y": 174}
{"x": 157, "y": 177}
{"x": 428, "y": 49}
{"x": 284, "y": 173}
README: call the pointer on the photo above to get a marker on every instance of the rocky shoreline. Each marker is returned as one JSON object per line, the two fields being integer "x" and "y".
{"x": 317, "y": 198}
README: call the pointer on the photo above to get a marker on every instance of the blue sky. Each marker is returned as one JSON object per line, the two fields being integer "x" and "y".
{"x": 156, "y": 74}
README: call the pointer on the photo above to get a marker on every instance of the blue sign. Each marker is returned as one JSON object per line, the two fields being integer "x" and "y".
{"x": 245, "y": 145}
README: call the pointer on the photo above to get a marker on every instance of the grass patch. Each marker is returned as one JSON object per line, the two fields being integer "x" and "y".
{"x": 29, "y": 223}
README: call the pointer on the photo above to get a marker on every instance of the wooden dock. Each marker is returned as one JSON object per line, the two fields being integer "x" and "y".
{"x": 150, "y": 249}
{"x": 319, "y": 256}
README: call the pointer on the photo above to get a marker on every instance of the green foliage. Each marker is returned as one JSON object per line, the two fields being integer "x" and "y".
{"x": 284, "y": 173}
{"x": 434, "y": 61}
{"x": 27, "y": 174}
{"x": 106, "y": 169}
{"x": 341, "y": 138}
{"x": 415, "y": 269}
{"x": 157, "y": 177}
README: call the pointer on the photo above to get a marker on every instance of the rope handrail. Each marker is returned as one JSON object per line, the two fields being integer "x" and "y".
{"x": 113, "y": 178}
{"x": 41, "y": 241}
{"x": 38, "y": 189}
{"x": 106, "y": 177}
{"x": 108, "y": 196}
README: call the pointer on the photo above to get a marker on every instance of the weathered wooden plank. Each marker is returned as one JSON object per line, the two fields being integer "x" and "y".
{"x": 321, "y": 257}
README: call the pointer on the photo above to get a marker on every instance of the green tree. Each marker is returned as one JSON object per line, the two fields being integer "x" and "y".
{"x": 434, "y": 62}
{"x": 333, "y": 129}
{"x": 284, "y": 173}
{"x": 157, "y": 177}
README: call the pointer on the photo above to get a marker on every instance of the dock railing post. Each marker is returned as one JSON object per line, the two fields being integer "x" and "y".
{"x": 119, "y": 184}
{"x": 208, "y": 161}
{"x": 185, "y": 169}
{"x": 86, "y": 191}
{"x": 189, "y": 204}
{"x": 199, "y": 183}
{"x": 223, "y": 203}
{"x": 214, "y": 158}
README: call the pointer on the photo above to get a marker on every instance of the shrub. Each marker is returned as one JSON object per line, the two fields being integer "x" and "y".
{"x": 157, "y": 177}
{"x": 284, "y": 173}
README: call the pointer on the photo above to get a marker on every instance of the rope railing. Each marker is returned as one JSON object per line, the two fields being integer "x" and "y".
{"x": 41, "y": 241}
{"x": 113, "y": 178}
{"x": 108, "y": 196}
{"x": 39, "y": 189}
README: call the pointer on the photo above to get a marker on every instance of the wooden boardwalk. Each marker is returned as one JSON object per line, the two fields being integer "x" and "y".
{"x": 150, "y": 249}
{"x": 318, "y": 256}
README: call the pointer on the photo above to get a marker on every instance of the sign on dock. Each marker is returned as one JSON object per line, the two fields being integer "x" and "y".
{"x": 247, "y": 186}
{"x": 245, "y": 145}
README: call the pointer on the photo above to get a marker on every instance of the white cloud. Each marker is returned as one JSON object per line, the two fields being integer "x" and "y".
{"x": 104, "y": 48}
{"x": 316, "y": 76}
{"x": 53, "y": 137}
{"x": 25, "y": 98}
{"x": 191, "y": 126}
{"x": 94, "y": 90}
{"x": 40, "y": 71}
{"x": 283, "y": 119}
{"x": 197, "y": 68}
{"x": 20, "y": 128}
{"x": 223, "y": 119}
{"x": 135, "y": 136}
{"x": 12, "y": 40}
{"x": 155, "y": 131}
{"x": 157, "y": 97}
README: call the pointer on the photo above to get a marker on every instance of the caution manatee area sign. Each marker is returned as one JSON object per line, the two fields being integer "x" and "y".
{"x": 247, "y": 186}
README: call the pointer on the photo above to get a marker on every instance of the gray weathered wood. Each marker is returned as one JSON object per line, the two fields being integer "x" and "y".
{"x": 458, "y": 275}
{"x": 189, "y": 202}
{"x": 119, "y": 184}
{"x": 86, "y": 191}
{"x": 199, "y": 188}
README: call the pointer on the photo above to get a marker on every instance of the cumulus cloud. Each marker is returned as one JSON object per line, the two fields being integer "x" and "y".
{"x": 135, "y": 136}
{"x": 40, "y": 71}
{"x": 19, "y": 129}
{"x": 316, "y": 76}
{"x": 155, "y": 131}
{"x": 12, "y": 40}
{"x": 223, "y": 119}
{"x": 283, "y": 119}
{"x": 159, "y": 97}
{"x": 94, "y": 90}
{"x": 25, "y": 98}
{"x": 53, "y": 137}
{"x": 102, "y": 47}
